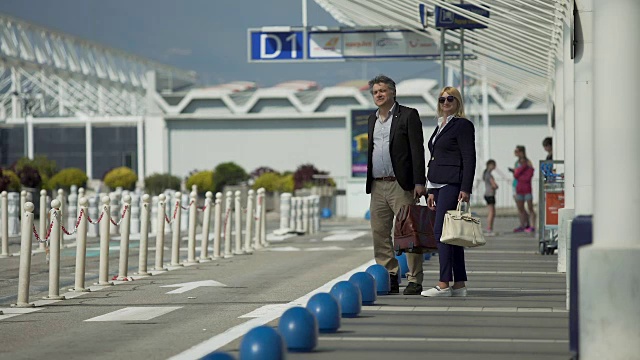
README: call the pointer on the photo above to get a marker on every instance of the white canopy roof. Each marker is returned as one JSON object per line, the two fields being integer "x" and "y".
{"x": 517, "y": 51}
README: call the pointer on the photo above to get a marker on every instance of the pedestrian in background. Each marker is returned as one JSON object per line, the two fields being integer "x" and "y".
{"x": 395, "y": 176}
{"x": 452, "y": 166}
{"x": 490, "y": 187}
{"x": 523, "y": 174}
{"x": 547, "y": 144}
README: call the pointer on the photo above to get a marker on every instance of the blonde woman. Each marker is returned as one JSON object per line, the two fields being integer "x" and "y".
{"x": 452, "y": 166}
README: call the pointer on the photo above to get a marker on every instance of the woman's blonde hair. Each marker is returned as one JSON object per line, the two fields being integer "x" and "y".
{"x": 459, "y": 112}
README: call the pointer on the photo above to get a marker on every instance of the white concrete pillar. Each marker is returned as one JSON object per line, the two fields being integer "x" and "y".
{"x": 114, "y": 198}
{"x": 125, "y": 230}
{"x": 609, "y": 270}
{"x": 14, "y": 213}
{"x": 23, "y": 200}
{"x": 193, "y": 217}
{"x": 175, "y": 236}
{"x": 160, "y": 222}
{"x": 154, "y": 214}
{"x": 570, "y": 107}
{"x": 44, "y": 219}
{"x": 299, "y": 216}
{"x": 94, "y": 215}
{"x": 206, "y": 225}
{"x": 584, "y": 136}
{"x": 145, "y": 212}
{"x": 486, "y": 137}
{"x": 305, "y": 214}
{"x": 217, "y": 226}
{"x": 72, "y": 209}
{"x": 228, "y": 214}
{"x": 250, "y": 217}
{"x": 4, "y": 204}
{"x": 24, "y": 274}
{"x": 81, "y": 193}
{"x": 54, "y": 253}
{"x": 140, "y": 150}
{"x": 293, "y": 215}
{"x": 184, "y": 221}
{"x": 135, "y": 213}
{"x": 105, "y": 237}
{"x": 30, "y": 143}
{"x": 558, "y": 100}
{"x": 81, "y": 246}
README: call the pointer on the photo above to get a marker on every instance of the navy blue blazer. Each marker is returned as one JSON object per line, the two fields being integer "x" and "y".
{"x": 453, "y": 154}
{"x": 406, "y": 145}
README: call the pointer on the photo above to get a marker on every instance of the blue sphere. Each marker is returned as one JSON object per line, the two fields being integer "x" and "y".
{"x": 427, "y": 256}
{"x": 327, "y": 310}
{"x": 299, "y": 328}
{"x": 262, "y": 343}
{"x": 367, "y": 215}
{"x": 367, "y": 286}
{"x": 349, "y": 298}
{"x": 381, "y": 275}
{"x": 402, "y": 263}
{"x": 216, "y": 355}
{"x": 326, "y": 213}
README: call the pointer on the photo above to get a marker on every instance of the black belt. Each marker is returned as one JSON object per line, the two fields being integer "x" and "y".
{"x": 385, "y": 178}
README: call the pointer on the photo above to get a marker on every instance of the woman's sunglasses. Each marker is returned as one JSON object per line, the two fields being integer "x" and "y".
{"x": 449, "y": 98}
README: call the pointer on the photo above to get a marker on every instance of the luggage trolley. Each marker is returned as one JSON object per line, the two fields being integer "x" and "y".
{"x": 551, "y": 193}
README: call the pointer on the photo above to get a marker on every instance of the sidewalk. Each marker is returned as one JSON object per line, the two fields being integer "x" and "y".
{"x": 515, "y": 310}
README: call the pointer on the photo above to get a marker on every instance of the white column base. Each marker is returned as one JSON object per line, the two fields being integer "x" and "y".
{"x": 564, "y": 220}
{"x": 609, "y": 283}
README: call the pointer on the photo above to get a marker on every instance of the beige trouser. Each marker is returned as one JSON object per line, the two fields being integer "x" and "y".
{"x": 387, "y": 197}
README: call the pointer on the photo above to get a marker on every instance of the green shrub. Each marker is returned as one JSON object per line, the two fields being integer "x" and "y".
{"x": 9, "y": 181}
{"x": 203, "y": 180}
{"x": 286, "y": 183}
{"x": 29, "y": 176}
{"x": 228, "y": 173}
{"x": 156, "y": 184}
{"x": 67, "y": 177}
{"x": 270, "y": 181}
{"x": 46, "y": 168}
{"x": 121, "y": 177}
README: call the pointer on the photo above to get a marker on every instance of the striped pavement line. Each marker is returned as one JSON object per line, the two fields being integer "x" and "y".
{"x": 426, "y": 339}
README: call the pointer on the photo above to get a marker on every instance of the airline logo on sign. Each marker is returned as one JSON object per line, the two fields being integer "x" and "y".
{"x": 325, "y": 45}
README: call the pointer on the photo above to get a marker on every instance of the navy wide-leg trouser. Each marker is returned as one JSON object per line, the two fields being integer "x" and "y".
{"x": 451, "y": 256}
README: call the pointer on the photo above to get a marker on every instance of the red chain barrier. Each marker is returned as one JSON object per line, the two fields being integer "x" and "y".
{"x": 226, "y": 218}
{"x": 35, "y": 233}
{"x": 124, "y": 211}
{"x": 175, "y": 211}
{"x": 188, "y": 206}
{"x": 91, "y": 221}
{"x": 203, "y": 208}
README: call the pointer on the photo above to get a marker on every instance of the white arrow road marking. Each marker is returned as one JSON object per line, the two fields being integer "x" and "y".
{"x": 344, "y": 236}
{"x": 135, "y": 313}
{"x": 184, "y": 287}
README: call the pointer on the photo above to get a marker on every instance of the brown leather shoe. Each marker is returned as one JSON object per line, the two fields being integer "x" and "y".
{"x": 412, "y": 289}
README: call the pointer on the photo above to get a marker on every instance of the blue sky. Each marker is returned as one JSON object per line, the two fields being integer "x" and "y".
{"x": 207, "y": 36}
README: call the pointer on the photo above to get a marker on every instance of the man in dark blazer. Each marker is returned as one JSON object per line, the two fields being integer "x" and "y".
{"x": 395, "y": 175}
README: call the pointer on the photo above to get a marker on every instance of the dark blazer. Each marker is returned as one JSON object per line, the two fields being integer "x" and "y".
{"x": 453, "y": 155}
{"x": 406, "y": 145}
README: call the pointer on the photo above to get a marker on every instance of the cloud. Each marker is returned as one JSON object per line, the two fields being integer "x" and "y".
{"x": 178, "y": 52}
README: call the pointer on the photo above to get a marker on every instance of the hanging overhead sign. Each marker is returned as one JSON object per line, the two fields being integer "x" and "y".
{"x": 447, "y": 19}
{"x": 286, "y": 44}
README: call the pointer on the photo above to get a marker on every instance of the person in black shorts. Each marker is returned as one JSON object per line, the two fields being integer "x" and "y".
{"x": 490, "y": 186}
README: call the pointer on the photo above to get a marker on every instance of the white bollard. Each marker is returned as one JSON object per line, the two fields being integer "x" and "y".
{"x": 160, "y": 222}
{"x": 184, "y": 221}
{"x": 299, "y": 216}
{"x": 305, "y": 214}
{"x": 175, "y": 242}
{"x": 217, "y": 226}
{"x": 154, "y": 214}
{"x": 227, "y": 224}
{"x": 14, "y": 213}
{"x": 125, "y": 230}
{"x": 44, "y": 219}
{"x": 81, "y": 193}
{"x": 105, "y": 237}
{"x": 257, "y": 244}
{"x": 263, "y": 216}
{"x": 63, "y": 213}
{"x": 293, "y": 214}
{"x": 72, "y": 213}
{"x": 5, "y": 224}
{"x": 285, "y": 210}
{"x": 115, "y": 212}
{"x": 25, "y": 257}
{"x": 249, "y": 223}
{"x": 81, "y": 245}
{"x": 206, "y": 221}
{"x": 23, "y": 200}
{"x": 193, "y": 222}
{"x": 145, "y": 212}
{"x": 54, "y": 253}
{"x": 135, "y": 213}
{"x": 93, "y": 214}
{"x": 316, "y": 218}
{"x": 238, "y": 223}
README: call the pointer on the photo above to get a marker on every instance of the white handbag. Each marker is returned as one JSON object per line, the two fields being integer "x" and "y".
{"x": 462, "y": 229}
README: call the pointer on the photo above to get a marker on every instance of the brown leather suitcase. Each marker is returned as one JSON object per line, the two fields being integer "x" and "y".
{"x": 413, "y": 230}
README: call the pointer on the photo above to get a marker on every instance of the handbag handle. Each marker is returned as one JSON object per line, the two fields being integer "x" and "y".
{"x": 459, "y": 207}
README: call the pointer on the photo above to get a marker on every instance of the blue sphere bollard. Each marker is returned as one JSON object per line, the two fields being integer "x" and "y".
{"x": 299, "y": 328}
{"x": 262, "y": 343}
{"x": 381, "y": 275}
{"x": 367, "y": 286}
{"x": 367, "y": 215}
{"x": 402, "y": 263}
{"x": 427, "y": 256}
{"x": 218, "y": 356}
{"x": 325, "y": 213}
{"x": 327, "y": 310}
{"x": 349, "y": 298}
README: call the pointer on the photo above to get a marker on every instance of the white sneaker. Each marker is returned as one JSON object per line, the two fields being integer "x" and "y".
{"x": 437, "y": 292}
{"x": 462, "y": 292}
